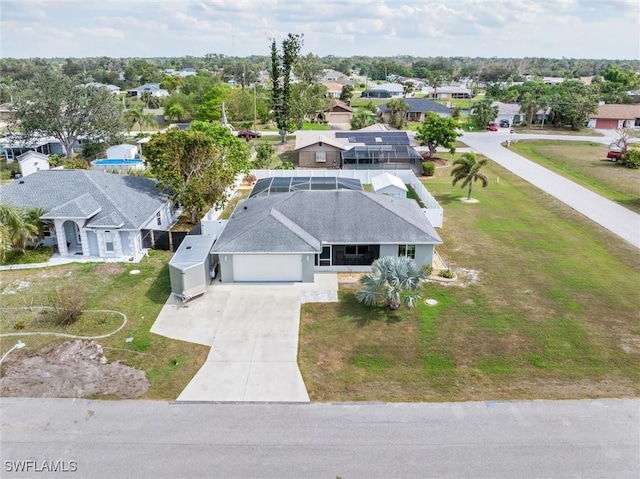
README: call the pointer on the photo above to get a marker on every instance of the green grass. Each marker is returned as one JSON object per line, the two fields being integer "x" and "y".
{"x": 240, "y": 194}
{"x": 583, "y": 163}
{"x": 107, "y": 286}
{"x": 315, "y": 126}
{"x": 30, "y": 256}
{"x": 553, "y": 315}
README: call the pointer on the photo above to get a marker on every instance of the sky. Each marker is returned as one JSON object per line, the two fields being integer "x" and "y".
{"x": 608, "y": 29}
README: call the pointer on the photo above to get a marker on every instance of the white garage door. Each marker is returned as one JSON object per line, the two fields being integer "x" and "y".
{"x": 272, "y": 267}
{"x": 336, "y": 117}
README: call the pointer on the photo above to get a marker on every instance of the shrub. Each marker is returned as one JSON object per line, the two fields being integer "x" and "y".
{"x": 428, "y": 168}
{"x": 249, "y": 179}
{"x": 68, "y": 302}
{"x": 446, "y": 273}
{"x": 427, "y": 269}
{"x": 631, "y": 159}
{"x": 264, "y": 152}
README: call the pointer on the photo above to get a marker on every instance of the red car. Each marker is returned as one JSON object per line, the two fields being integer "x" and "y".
{"x": 614, "y": 155}
{"x": 492, "y": 126}
{"x": 249, "y": 134}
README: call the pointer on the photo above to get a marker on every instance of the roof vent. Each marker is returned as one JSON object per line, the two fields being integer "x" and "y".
{"x": 21, "y": 182}
{"x": 245, "y": 207}
{"x": 188, "y": 247}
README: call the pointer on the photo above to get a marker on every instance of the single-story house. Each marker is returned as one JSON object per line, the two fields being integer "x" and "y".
{"x": 329, "y": 75}
{"x": 333, "y": 89}
{"x": 122, "y": 152}
{"x": 31, "y": 161}
{"x": 508, "y": 111}
{"x": 318, "y": 150}
{"x": 92, "y": 213}
{"x": 447, "y": 92}
{"x": 288, "y": 237}
{"x": 113, "y": 89}
{"x": 386, "y": 90}
{"x": 418, "y": 109}
{"x": 337, "y": 112}
{"x": 12, "y": 147}
{"x": 611, "y": 117}
{"x": 388, "y": 184}
{"x": 153, "y": 88}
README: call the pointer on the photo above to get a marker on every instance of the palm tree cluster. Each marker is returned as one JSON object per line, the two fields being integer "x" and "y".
{"x": 137, "y": 114}
{"x": 394, "y": 281}
{"x": 18, "y": 226}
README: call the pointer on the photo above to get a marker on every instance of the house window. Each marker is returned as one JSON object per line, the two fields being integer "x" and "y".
{"x": 159, "y": 218}
{"x": 407, "y": 250}
{"x": 350, "y": 249}
{"x": 321, "y": 156}
{"x": 46, "y": 230}
{"x": 637, "y": 122}
{"x": 108, "y": 241}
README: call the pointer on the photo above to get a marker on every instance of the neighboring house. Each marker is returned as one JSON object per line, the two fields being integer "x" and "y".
{"x": 93, "y": 214}
{"x": 12, "y": 147}
{"x": 31, "y": 161}
{"x": 418, "y": 109}
{"x": 334, "y": 76}
{"x": 390, "y": 185}
{"x": 6, "y": 112}
{"x": 315, "y": 150}
{"x": 508, "y": 111}
{"x": 448, "y": 92}
{"x": 611, "y": 117}
{"x": 327, "y": 149}
{"x": 153, "y": 88}
{"x": 337, "y": 112}
{"x": 122, "y": 152}
{"x": 288, "y": 237}
{"x": 333, "y": 89}
{"x": 386, "y": 90}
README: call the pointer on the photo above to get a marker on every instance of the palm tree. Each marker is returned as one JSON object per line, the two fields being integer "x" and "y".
{"x": 136, "y": 114}
{"x": 394, "y": 280}
{"x": 362, "y": 118}
{"x": 33, "y": 217}
{"x": 528, "y": 104}
{"x": 398, "y": 109}
{"x": 15, "y": 228}
{"x": 467, "y": 170}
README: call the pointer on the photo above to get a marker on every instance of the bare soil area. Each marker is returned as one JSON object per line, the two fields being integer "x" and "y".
{"x": 70, "y": 369}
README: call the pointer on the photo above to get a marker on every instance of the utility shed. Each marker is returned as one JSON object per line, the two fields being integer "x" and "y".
{"x": 193, "y": 266}
{"x": 122, "y": 152}
{"x": 390, "y": 185}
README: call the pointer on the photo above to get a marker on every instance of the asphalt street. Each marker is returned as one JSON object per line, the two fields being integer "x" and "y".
{"x": 617, "y": 219}
{"x": 140, "y": 439}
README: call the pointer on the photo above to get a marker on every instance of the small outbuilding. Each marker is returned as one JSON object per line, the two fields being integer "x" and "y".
{"x": 193, "y": 266}
{"x": 122, "y": 152}
{"x": 32, "y": 161}
{"x": 390, "y": 185}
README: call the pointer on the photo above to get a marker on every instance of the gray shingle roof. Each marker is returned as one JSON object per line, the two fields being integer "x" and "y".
{"x": 301, "y": 221}
{"x": 129, "y": 200}
{"x": 421, "y": 105}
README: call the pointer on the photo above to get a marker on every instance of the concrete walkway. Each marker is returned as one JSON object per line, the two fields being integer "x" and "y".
{"x": 253, "y": 333}
{"x": 617, "y": 219}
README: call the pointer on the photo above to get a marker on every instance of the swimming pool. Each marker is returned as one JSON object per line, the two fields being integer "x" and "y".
{"x": 120, "y": 166}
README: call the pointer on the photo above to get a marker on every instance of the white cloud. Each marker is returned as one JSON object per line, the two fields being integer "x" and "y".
{"x": 340, "y": 27}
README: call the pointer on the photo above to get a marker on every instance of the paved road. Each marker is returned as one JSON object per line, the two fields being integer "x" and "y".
{"x": 550, "y": 439}
{"x": 615, "y": 218}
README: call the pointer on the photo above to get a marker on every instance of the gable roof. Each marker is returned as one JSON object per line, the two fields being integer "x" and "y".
{"x": 129, "y": 201}
{"x": 301, "y": 221}
{"x": 393, "y": 87}
{"x": 421, "y": 105}
{"x": 618, "y": 112}
{"x": 334, "y": 103}
{"x": 304, "y": 140}
{"x": 507, "y": 108}
{"x": 385, "y": 179}
{"x": 33, "y": 155}
{"x": 332, "y": 86}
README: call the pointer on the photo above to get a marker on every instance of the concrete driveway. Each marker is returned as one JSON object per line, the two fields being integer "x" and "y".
{"x": 253, "y": 333}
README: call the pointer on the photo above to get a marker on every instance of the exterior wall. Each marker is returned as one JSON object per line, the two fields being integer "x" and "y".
{"x": 393, "y": 191}
{"x": 226, "y": 268}
{"x": 307, "y": 157}
{"x": 120, "y": 152}
{"x": 92, "y": 242}
{"x": 424, "y": 254}
{"x": 32, "y": 165}
{"x": 166, "y": 219}
{"x": 606, "y": 124}
{"x": 308, "y": 268}
{"x": 124, "y": 242}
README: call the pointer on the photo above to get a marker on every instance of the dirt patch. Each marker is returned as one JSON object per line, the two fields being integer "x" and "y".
{"x": 16, "y": 286}
{"x": 109, "y": 269}
{"x": 70, "y": 369}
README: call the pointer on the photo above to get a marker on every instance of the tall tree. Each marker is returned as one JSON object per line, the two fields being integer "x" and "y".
{"x": 398, "y": 109}
{"x": 466, "y": 170}
{"x": 362, "y": 118}
{"x": 572, "y": 102}
{"x": 53, "y": 104}
{"x": 393, "y": 281}
{"x": 197, "y": 165}
{"x": 437, "y": 131}
{"x": 482, "y": 112}
{"x": 17, "y": 226}
{"x": 281, "y": 67}
{"x": 346, "y": 93}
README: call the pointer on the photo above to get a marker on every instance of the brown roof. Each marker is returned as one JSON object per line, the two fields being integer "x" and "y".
{"x": 334, "y": 104}
{"x": 332, "y": 86}
{"x": 618, "y": 112}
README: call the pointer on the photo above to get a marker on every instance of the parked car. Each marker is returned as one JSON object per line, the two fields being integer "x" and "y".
{"x": 504, "y": 124}
{"x": 492, "y": 126}
{"x": 249, "y": 134}
{"x": 614, "y": 155}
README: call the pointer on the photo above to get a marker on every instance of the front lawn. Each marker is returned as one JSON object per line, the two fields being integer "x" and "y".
{"x": 583, "y": 162}
{"x": 553, "y": 313}
{"x": 169, "y": 364}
